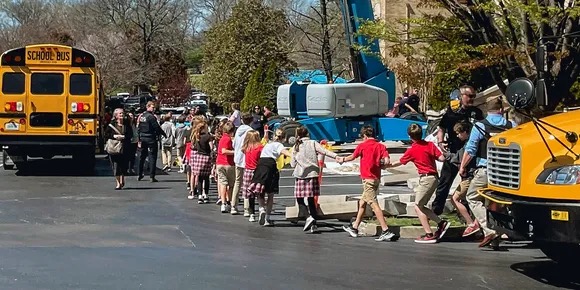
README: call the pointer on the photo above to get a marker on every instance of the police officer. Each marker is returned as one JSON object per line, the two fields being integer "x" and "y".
{"x": 149, "y": 132}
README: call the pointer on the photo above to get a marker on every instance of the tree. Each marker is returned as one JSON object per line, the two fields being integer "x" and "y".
{"x": 254, "y": 36}
{"x": 253, "y": 91}
{"x": 260, "y": 89}
{"x": 321, "y": 42}
{"x": 493, "y": 40}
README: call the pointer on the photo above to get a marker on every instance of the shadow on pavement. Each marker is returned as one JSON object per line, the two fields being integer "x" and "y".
{"x": 549, "y": 273}
{"x": 68, "y": 167}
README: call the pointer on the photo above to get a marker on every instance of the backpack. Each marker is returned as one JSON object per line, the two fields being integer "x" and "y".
{"x": 489, "y": 131}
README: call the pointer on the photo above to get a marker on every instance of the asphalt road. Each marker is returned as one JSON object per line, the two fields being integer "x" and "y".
{"x": 61, "y": 231}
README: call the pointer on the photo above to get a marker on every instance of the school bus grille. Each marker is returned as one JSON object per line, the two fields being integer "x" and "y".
{"x": 503, "y": 165}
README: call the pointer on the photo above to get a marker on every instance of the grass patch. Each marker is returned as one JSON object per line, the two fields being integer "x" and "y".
{"x": 403, "y": 222}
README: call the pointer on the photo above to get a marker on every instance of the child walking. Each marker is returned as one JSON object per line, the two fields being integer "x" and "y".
{"x": 424, "y": 154}
{"x": 463, "y": 129}
{"x": 252, "y": 148}
{"x": 193, "y": 158}
{"x": 202, "y": 164}
{"x": 306, "y": 173}
{"x": 373, "y": 157}
{"x": 226, "y": 172}
{"x": 267, "y": 177}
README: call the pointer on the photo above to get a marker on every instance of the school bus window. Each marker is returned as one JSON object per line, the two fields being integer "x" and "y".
{"x": 13, "y": 83}
{"x": 81, "y": 84}
{"x": 47, "y": 84}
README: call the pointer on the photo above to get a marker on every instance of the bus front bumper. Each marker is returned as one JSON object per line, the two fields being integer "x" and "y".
{"x": 533, "y": 219}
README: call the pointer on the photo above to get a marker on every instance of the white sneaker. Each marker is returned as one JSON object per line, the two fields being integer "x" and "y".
{"x": 224, "y": 208}
{"x": 246, "y": 212}
{"x": 169, "y": 169}
{"x": 190, "y": 197}
{"x": 205, "y": 198}
{"x": 309, "y": 222}
{"x": 262, "y": 217}
{"x": 268, "y": 222}
{"x": 252, "y": 218}
{"x": 313, "y": 229}
{"x": 234, "y": 210}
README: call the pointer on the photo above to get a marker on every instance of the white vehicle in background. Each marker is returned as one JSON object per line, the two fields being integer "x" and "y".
{"x": 125, "y": 96}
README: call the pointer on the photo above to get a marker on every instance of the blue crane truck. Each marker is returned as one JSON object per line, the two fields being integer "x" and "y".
{"x": 337, "y": 112}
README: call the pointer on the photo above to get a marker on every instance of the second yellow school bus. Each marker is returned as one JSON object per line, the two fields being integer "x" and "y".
{"x": 51, "y": 103}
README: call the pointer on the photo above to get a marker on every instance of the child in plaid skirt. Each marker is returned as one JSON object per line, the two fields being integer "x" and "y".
{"x": 202, "y": 163}
{"x": 306, "y": 171}
{"x": 192, "y": 157}
{"x": 266, "y": 177}
{"x": 252, "y": 148}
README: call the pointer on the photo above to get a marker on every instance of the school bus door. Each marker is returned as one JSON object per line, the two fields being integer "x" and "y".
{"x": 47, "y": 102}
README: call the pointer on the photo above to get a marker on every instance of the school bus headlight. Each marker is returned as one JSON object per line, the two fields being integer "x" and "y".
{"x": 564, "y": 175}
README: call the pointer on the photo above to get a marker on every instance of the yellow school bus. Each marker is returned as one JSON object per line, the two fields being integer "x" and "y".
{"x": 50, "y": 104}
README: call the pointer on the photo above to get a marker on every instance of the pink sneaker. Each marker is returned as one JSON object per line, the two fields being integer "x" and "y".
{"x": 471, "y": 229}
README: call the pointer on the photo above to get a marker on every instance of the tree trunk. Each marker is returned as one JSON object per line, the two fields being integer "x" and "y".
{"x": 326, "y": 50}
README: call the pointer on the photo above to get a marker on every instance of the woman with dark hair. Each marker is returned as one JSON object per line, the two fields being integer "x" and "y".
{"x": 119, "y": 130}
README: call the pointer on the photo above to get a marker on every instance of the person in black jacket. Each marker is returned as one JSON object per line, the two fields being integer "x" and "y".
{"x": 122, "y": 131}
{"x": 149, "y": 132}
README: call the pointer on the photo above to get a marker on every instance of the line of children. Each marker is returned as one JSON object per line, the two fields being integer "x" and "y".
{"x": 261, "y": 175}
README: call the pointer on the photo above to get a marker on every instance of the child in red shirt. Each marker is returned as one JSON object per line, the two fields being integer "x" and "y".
{"x": 374, "y": 157}
{"x": 424, "y": 154}
{"x": 225, "y": 166}
{"x": 252, "y": 148}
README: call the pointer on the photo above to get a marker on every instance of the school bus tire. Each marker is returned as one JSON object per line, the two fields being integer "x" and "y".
{"x": 5, "y": 161}
{"x": 563, "y": 254}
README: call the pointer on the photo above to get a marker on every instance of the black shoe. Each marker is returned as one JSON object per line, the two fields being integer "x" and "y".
{"x": 154, "y": 180}
{"x": 140, "y": 177}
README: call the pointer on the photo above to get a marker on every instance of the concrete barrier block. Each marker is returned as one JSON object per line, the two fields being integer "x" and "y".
{"x": 396, "y": 178}
{"x": 332, "y": 198}
{"x": 369, "y": 229}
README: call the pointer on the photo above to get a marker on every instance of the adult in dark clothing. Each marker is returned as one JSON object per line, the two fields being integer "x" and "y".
{"x": 123, "y": 132}
{"x": 409, "y": 104}
{"x": 149, "y": 132}
{"x": 258, "y": 122}
{"x": 465, "y": 113}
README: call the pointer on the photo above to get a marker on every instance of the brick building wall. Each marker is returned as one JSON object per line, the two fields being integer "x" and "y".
{"x": 391, "y": 11}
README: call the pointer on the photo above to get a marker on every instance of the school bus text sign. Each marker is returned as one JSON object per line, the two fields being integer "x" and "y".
{"x": 48, "y": 55}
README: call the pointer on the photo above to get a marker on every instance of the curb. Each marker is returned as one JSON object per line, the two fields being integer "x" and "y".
{"x": 407, "y": 232}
